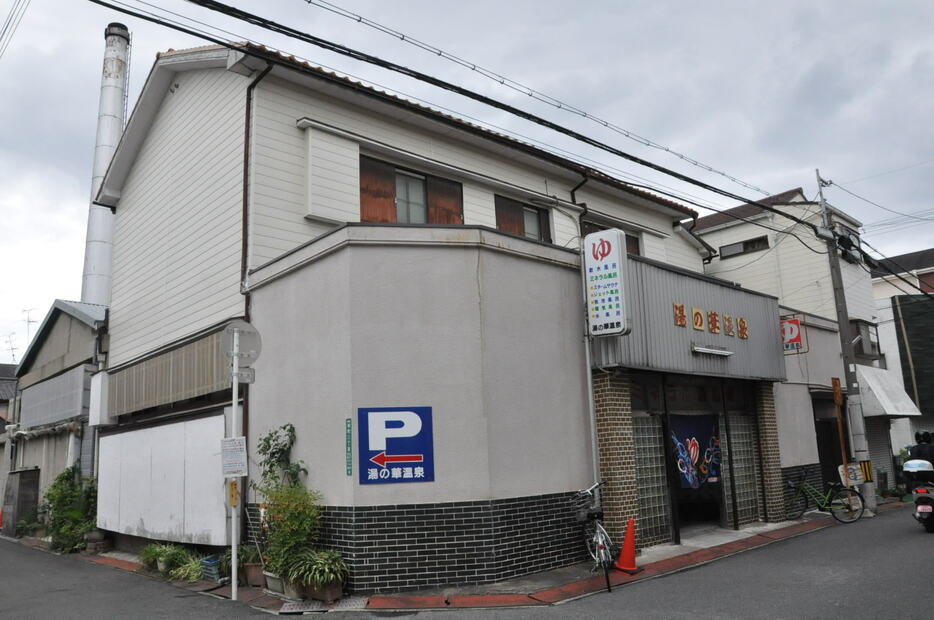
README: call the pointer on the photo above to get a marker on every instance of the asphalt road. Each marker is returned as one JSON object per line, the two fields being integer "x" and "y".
{"x": 875, "y": 569}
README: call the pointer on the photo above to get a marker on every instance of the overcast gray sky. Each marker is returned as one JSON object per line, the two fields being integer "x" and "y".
{"x": 764, "y": 91}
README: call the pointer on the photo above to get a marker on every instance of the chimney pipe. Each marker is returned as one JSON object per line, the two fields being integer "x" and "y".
{"x": 96, "y": 277}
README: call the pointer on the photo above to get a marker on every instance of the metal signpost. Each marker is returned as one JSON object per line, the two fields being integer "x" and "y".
{"x": 603, "y": 271}
{"x": 243, "y": 345}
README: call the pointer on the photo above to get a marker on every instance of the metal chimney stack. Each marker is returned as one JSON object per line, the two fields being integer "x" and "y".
{"x": 98, "y": 249}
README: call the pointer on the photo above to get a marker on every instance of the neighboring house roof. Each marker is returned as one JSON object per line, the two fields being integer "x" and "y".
{"x": 92, "y": 315}
{"x": 7, "y": 371}
{"x": 748, "y": 210}
{"x": 202, "y": 57}
{"x": 913, "y": 261}
{"x": 729, "y": 217}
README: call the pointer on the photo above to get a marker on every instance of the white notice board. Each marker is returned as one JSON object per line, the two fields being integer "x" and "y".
{"x": 233, "y": 457}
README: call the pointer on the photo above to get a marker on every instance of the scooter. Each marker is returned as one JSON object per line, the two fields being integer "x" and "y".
{"x": 920, "y": 474}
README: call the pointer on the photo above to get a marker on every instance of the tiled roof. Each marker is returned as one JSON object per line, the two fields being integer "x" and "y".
{"x": 7, "y": 389}
{"x": 922, "y": 259}
{"x": 746, "y": 210}
{"x": 304, "y": 66}
{"x": 7, "y": 371}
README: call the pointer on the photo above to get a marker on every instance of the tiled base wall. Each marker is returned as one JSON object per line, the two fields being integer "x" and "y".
{"x": 410, "y": 546}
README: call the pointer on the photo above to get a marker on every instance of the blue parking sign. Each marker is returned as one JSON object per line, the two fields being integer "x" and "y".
{"x": 395, "y": 445}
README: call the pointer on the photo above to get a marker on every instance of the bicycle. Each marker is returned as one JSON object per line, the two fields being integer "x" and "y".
{"x": 598, "y": 543}
{"x": 844, "y": 503}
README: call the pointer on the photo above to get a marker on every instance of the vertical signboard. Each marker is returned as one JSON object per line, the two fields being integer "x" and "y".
{"x": 395, "y": 445}
{"x": 793, "y": 336}
{"x": 604, "y": 282}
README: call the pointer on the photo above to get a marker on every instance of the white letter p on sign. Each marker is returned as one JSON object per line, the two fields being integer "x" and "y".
{"x": 379, "y": 432}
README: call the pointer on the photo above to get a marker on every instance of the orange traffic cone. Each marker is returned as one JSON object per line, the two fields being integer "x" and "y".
{"x": 627, "y": 556}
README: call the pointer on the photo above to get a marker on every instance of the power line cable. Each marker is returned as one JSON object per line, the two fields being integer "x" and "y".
{"x": 368, "y": 58}
{"x": 274, "y": 58}
{"x": 555, "y": 150}
{"x": 876, "y": 204}
{"x": 10, "y": 27}
{"x": 525, "y": 89}
{"x": 893, "y": 171}
{"x": 884, "y": 264}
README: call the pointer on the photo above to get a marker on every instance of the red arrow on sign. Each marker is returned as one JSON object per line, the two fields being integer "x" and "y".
{"x": 382, "y": 458}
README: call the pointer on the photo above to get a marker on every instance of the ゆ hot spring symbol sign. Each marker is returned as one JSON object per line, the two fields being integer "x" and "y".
{"x": 395, "y": 445}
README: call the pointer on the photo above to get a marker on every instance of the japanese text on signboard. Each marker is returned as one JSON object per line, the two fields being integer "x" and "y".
{"x": 395, "y": 445}
{"x": 604, "y": 282}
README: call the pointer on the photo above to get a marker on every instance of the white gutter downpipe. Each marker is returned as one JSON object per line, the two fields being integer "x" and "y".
{"x": 98, "y": 249}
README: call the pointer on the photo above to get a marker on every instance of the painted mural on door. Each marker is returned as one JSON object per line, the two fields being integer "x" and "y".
{"x": 696, "y": 443}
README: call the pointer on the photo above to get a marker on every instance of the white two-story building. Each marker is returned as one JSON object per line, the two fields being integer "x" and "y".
{"x": 770, "y": 253}
{"x": 416, "y": 283}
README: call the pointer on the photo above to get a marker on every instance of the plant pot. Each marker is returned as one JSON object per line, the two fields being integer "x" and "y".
{"x": 161, "y": 565}
{"x": 273, "y": 582}
{"x": 328, "y": 593}
{"x": 293, "y": 590}
{"x": 254, "y": 575}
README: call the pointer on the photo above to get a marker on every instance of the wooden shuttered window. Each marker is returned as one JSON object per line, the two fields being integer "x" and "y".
{"x": 378, "y": 195}
{"x": 514, "y": 217}
{"x": 377, "y": 191}
{"x": 445, "y": 201}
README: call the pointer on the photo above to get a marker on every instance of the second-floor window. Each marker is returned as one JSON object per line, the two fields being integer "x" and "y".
{"x": 744, "y": 247}
{"x": 396, "y": 195}
{"x": 521, "y": 219}
{"x": 633, "y": 245}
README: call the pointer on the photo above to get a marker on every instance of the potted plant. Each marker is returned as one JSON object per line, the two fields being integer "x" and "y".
{"x": 292, "y": 515}
{"x": 321, "y": 572}
{"x": 171, "y": 557}
{"x": 252, "y": 566}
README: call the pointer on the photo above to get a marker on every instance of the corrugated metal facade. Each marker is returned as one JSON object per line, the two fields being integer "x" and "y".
{"x": 60, "y": 398}
{"x": 194, "y": 369}
{"x": 657, "y": 343}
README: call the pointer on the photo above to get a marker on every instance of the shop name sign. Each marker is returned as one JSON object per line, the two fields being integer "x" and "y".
{"x": 712, "y": 321}
{"x": 604, "y": 283}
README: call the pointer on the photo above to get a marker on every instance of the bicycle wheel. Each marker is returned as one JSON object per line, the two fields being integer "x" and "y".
{"x": 604, "y": 552}
{"x": 796, "y": 506}
{"x": 590, "y": 533}
{"x": 847, "y": 505}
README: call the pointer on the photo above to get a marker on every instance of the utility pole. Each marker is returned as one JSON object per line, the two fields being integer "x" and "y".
{"x": 854, "y": 406}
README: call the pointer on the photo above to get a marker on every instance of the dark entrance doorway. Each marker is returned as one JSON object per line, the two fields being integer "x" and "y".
{"x": 828, "y": 439}
{"x": 695, "y": 453}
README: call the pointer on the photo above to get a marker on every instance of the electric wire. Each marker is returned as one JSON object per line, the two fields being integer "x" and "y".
{"x": 876, "y": 204}
{"x": 368, "y": 58}
{"x": 893, "y": 171}
{"x": 884, "y": 264}
{"x": 554, "y": 150}
{"x": 274, "y": 58}
{"x": 525, "y": 90}
{"x": 11, "y": 24}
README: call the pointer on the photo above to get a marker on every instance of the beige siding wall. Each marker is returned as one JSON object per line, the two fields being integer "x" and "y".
{"x": 69, "y": 342}
{"x": 177, "y": 229}
{"x": 799, "y": 277}
{"x": 297, "y": 171}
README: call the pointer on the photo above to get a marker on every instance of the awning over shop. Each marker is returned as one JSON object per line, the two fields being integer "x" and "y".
{"x": 883, "y": 394}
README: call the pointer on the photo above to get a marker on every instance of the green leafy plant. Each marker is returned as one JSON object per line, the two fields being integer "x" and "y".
{"x": 150, "y": 554}
{"x": 69, "y": 510}
{"x": 276, "y": 466}
{"x": 174, "y": 556}
{"x": 292, "y": 516}
{"x": 246, "y": 554}
{"x": 189, "y": 570}
{"x": 317, "y": 568}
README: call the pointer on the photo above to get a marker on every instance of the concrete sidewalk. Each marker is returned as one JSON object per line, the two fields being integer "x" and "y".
{"x": 699, "y": 547}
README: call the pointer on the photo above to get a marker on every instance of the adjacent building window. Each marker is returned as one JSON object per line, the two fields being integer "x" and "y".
{"x": 521, "y": 219}
{"x": 633, "y": 245}
{"x": 744, "y": 247}
{"x": 394, "y": 195}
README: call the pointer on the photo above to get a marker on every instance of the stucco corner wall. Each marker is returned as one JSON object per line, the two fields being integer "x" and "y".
{"x": 483, "y": 328}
